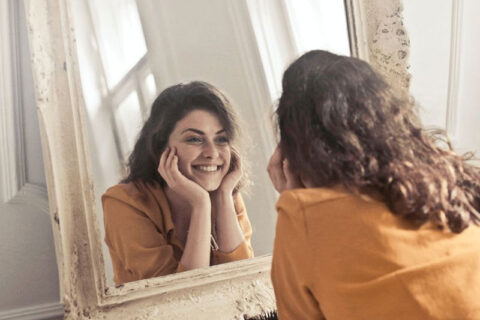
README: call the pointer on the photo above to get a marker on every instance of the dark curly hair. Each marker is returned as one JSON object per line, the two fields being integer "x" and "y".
{"x": 169, "y": 107}
{"x": 341, "y": 124}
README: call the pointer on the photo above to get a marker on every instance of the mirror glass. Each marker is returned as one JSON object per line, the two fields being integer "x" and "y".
{"x": 131, "y": 50}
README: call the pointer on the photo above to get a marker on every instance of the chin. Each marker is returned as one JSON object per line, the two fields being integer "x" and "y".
{"x": 209, "y": 183}
{"x": 210, "y": 187}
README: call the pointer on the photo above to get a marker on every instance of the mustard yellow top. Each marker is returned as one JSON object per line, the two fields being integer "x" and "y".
{"x": 140, "y": 233}
{"x": 348, "y": 257}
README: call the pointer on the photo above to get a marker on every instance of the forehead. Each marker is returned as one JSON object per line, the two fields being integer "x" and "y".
{"x": 201, "y": 120}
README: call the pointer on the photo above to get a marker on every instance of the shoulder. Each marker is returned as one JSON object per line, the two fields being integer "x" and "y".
{"x": 126, "y": 192}
{"x": 330, "y": 207}
{"x": 135, "y": 194}
{"x": 123, "y": 190}
{"x": 310, "y": 197}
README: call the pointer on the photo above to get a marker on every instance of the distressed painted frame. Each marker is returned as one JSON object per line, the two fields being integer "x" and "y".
{"x": 229, "y": 291}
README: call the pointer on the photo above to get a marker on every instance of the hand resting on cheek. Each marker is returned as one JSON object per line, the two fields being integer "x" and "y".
{"x": 279, "y": 171}
{"x": 187, "y": 189}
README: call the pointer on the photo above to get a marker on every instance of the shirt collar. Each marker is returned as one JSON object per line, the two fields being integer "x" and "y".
{"x": 161, "y": 198}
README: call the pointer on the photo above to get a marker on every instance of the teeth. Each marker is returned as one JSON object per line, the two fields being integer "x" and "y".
{"x": 208, "y": 168}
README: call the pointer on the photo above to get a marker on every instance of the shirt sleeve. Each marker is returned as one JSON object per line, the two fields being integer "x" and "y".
{"x": 291, "y": 263}
{"x": 244, "y": 250}
{"x": 137, "y": 248}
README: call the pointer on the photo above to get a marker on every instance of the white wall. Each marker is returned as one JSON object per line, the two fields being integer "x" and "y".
{"x": 445, "y": 46}
{"x": 467, "y": 135}
{"x": 29, "y": 287}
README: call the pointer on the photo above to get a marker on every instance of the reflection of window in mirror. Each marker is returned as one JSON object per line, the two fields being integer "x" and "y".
{"x": 118, "y": 85}
{"x": 128, "y": 118}
{"x": 119, "y": 37}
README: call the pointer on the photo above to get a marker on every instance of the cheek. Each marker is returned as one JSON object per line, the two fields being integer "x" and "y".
{"x": 182, "y": 165}
{"x": 185, "y": 156}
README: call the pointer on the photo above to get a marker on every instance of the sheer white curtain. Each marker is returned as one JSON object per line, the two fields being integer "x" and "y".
{"x": 118, "y": 88}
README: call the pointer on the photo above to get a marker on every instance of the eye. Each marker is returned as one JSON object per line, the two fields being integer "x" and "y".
{"x": 222, "y": 140}
{"x": 194, "y": 139}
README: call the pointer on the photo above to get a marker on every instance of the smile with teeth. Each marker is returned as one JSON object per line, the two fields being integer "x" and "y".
{"x": 210, "y": 168}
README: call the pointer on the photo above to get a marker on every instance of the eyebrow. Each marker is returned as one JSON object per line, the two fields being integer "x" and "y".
{"x": 200, "y": 131}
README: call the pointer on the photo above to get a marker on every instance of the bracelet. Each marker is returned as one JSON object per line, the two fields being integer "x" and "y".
{"x": 213, "y": 243}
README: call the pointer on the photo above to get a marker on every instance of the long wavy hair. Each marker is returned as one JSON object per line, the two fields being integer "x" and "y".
{"x": 169, "y": 107}
{"x": 341, "y": 124}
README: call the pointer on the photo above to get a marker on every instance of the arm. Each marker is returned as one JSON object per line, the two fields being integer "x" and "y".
{"x": 292, "y": 264}
{"x": 244, "y": 250}
{"x": 227, "y": 227}
{"x": 197, "y": 246}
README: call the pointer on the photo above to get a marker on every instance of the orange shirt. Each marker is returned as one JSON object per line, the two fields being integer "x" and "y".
{"x": 348, "y": 257}
{"x": 140, "y": 233}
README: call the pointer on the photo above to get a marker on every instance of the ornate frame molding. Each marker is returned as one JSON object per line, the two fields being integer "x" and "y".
{"x": 227, "y": 291}
{"x": 378, "y": 35}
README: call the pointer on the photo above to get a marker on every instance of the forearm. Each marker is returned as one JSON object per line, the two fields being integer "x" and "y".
{"x": 197, "y": 247}
{"x": 228, "y": 231}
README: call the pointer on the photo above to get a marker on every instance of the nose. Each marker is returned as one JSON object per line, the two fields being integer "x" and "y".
{"x": 210, "y": 150}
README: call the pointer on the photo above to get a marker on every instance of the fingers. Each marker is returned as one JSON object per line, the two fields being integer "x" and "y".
{"x": 275, "y": 170}
{"x": 161, "y": 164}
{"x": 292, "y": 181}
{"x": 276, "y": 157}
{"x": 169, "y": 161}
{"x": 167, "y": 165}
{"x": 174, "y": 174}
{"x": 278, "y": 179}
{"x": 173, "y": 167}
{"x": 286, "y": 170}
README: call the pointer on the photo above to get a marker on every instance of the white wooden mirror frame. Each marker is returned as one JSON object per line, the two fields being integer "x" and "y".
{"x": 228, "y": 291}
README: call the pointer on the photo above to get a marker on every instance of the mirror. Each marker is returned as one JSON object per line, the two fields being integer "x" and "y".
{"x": 130, "y": 50}
{"x": 261, "y": 50}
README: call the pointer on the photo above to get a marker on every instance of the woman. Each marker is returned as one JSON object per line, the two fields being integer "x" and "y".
{"x": 375, "y": 220}
{"x": 179, "y": 207}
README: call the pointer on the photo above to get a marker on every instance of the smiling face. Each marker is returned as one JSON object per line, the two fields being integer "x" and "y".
{"x": 203, "y": 148}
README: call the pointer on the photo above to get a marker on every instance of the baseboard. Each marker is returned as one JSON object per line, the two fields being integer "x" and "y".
{"x": 38, "y": 312}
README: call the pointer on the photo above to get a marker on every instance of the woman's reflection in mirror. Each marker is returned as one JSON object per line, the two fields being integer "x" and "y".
{"x": 375, "y": 220}
{"x": 180, "y": 207}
